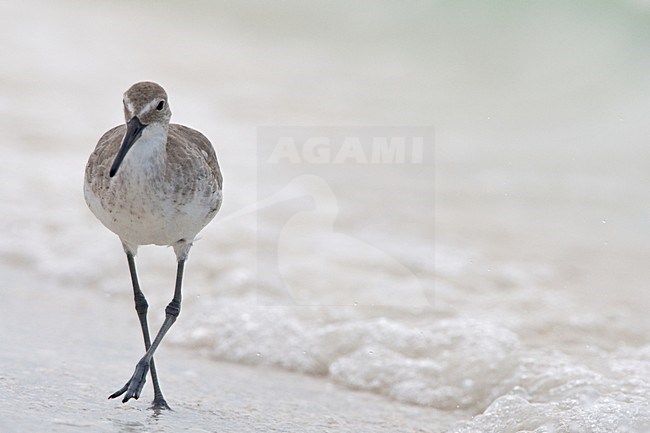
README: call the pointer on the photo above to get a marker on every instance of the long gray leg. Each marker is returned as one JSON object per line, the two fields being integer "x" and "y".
{"x": 134, "y": 386}
{"x": 141, "y": 307}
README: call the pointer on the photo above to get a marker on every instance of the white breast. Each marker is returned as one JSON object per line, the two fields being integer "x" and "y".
{"x": 143, "y": 206}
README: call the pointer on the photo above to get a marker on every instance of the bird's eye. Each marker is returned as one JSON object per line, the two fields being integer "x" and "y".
{"x": 160, "y": 106}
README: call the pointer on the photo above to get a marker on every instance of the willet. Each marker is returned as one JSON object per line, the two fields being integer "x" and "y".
{"x": 152, "y": 182}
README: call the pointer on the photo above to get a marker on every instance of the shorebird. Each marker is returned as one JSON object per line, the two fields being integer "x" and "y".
{"x": 152, "y": 182}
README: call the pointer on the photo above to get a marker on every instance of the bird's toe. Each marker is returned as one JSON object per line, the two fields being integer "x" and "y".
{"x": 159, "y": 404}
{"x": 133, "y": 387}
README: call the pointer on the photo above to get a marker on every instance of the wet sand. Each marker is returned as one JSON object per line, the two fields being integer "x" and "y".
{"x": 63, "y": 352}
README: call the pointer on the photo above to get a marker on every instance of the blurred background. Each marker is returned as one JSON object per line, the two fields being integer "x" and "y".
{"x": 537, "y": 238}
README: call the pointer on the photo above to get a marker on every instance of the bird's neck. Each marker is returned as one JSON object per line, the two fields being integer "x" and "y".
{"x": 148, "y": 154}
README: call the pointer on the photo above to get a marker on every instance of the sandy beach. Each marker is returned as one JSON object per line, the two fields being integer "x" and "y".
{"x": 56, "y": 375}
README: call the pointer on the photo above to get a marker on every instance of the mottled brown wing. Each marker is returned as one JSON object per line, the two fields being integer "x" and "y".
{"x": 102, "y": 157}
{"x": 202, "y": 144}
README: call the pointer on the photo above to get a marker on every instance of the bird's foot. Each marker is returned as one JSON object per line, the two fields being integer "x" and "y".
{"x": 134, "y": 386}
{"x": 159, "y": 404}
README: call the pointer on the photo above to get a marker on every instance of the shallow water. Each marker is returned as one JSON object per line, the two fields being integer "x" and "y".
{"x": 497, "y": 285}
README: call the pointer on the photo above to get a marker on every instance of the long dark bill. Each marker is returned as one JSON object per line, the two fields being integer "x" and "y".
{"x": 133, "y": 131}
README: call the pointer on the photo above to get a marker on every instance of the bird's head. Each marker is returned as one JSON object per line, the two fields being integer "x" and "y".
{"x": 146, "y": 110}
